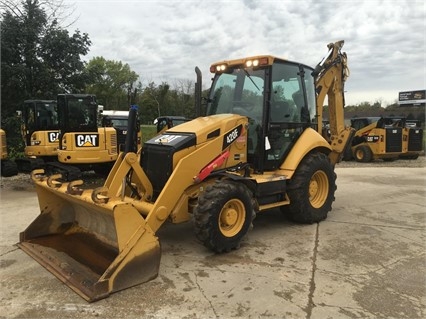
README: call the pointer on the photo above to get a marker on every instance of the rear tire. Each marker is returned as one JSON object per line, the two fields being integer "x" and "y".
{"x": 311, "y": 190}
{"x": 224, "y": 215}
{"x": 363, "y": 154}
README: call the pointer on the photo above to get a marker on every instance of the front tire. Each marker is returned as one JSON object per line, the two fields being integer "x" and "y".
{"x": 363, "y": 154}
{"x": 224, "y": 215}
{"x": 311, "y": 190}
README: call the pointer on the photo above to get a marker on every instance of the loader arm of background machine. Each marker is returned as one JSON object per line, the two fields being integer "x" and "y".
{"x": 365, "y": 130}
{"x": 331, "y": 74}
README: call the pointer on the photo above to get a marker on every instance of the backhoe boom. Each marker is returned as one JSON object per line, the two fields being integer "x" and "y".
{"x": 331, "y": 74}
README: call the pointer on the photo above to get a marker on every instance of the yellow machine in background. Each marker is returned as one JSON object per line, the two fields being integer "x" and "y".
{"x": 259, "y": 146}
{"x": 119, "y": 120}
{"x": 386, "y": 138}
{"x": 84, "y": 143}
{"x": 40, "y": 131}
{"x": 8, "y": 167}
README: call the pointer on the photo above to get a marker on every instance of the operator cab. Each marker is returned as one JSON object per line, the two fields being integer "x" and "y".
{"x": 278, "y": 97}
{"x": 77, "y": 113}
{"x": 39, "y": 115}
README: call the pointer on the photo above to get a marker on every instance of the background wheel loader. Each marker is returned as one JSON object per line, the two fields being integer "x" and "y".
{"x": 8, "y": 167}
{"x": 259, "y": 146}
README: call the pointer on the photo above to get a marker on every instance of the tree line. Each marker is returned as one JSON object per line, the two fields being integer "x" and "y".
{"x": 40, "y": 59}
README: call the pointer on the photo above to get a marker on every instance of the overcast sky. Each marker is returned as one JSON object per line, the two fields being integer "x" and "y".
{"x": 165, "y": 40}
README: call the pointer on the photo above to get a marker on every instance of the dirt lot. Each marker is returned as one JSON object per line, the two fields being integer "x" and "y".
{"x": 366, "y": 260}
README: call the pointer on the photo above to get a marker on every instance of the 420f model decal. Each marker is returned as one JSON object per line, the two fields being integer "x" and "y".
{"x": 231, "y": 136}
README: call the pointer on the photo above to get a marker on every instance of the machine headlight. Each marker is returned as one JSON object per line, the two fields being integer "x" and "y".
{"x": 218, "y": 68}
{"x": 251, "y": 63}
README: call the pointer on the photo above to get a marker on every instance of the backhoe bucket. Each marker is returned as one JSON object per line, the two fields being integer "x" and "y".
{"x": 95, "y": 249}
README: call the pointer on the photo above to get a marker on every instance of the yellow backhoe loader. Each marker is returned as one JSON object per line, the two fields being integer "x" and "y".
{"x": 259, "y": 146}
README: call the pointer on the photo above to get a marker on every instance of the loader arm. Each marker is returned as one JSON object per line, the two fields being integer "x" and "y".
{"x": 103, "y": 240}
{"x": 331, "y": 74}
{"x": 185, "y": 174}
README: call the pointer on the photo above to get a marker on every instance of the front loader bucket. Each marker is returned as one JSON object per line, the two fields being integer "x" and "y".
{"x": 95, "y": 249}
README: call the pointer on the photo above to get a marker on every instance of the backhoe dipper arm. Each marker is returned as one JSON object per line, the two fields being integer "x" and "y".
{"x": 330, "y": 75}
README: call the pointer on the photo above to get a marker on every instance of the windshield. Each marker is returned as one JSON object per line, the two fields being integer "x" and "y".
{"x": 78, "y": 113}
{"x": 239, "y": 91}
{"x": 41, "y": 115}
{"x": 81, "y": 112}
{"x": 115, "y": 122}
{"x": 287, "y": 101}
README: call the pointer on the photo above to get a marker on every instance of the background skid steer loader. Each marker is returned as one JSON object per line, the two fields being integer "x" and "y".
{"x": 258, "y": 147}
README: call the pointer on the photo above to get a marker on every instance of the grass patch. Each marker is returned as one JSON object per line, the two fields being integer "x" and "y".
{"x": 148, "y": 132}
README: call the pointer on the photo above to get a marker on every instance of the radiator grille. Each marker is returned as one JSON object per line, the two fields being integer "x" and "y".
{"x": 415, "y": 139}
{"x": 393, "y": 140}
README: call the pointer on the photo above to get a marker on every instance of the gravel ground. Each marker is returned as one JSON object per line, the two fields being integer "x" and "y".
{"x": 22, "y": 182}
{"x": 419, "y": 162}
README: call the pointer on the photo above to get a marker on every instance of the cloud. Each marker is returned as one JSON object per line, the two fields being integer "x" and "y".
{"x": 165, "y": 40}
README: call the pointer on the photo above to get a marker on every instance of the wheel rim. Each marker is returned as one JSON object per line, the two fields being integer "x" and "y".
{"x": 359, "y": 154}
{"x": 318, "y": 189}
{"x": 232, "y": 217}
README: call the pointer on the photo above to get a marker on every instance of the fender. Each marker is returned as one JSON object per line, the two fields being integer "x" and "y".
{"x": 308, "y": 141}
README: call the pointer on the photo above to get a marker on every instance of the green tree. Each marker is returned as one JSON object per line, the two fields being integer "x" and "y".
{"x": 159, "y": 100}
{"x": 183, "y": 98}
{"x": 149, "y": 107}
{"x": 39, "y": 58}
{"x": 112, "y": 82}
